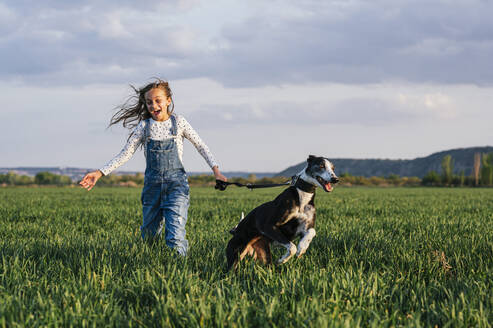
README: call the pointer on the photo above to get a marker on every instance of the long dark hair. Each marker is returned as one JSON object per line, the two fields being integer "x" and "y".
{"x": 134, "y": 109}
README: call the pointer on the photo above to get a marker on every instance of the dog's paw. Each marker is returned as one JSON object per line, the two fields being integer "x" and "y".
{"x": 291, "y": 250}
{"x": 301, "y": 251}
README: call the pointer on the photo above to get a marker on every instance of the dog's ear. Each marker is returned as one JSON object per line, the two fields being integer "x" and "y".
{"x": 310, "y": 158}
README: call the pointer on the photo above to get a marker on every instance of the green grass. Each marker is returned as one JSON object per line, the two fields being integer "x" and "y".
{"x": 75, "y": 258}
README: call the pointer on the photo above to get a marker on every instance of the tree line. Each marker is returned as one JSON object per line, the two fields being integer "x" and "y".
{"x": 137, "y": 180}
{"x": 41, "y": 178}
{"x": 51, "y": 179}
{"x": 482, "y": 175}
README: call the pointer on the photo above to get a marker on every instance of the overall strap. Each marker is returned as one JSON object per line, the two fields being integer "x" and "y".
{"x": 174, "y": 125}
{"x": 147, "y": 130}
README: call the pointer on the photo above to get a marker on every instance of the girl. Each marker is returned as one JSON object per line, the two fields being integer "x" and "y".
{"x": 165, "y": 197}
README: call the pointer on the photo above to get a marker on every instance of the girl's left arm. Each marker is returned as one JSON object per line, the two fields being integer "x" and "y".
{"x": 192, "y": 135}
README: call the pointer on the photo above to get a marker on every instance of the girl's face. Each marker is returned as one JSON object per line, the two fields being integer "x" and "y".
{"x": 157, "y": 103}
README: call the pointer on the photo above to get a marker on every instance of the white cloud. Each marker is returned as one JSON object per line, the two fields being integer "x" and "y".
{"x": 382, "y": 78}
{"x": 441, "y": 105}
{"x": 432, "y": 105}
{"x": 433, "y": 47}
{"x": 7, "y": 17}
{"x": 363, "y": 121}
{"x": 262, "y": 43}
{"x": 113, "y": 27}
{"x": 436, "y": 100}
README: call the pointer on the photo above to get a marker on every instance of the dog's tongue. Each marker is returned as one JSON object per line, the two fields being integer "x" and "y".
{"x": 328, "y": 187}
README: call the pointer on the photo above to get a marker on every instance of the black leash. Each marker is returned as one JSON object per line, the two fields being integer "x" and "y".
{"x": 221, "y": 185}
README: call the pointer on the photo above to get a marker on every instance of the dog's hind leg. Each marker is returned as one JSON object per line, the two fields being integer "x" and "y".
{"x": 290, "y": 251}
{"x": 237, "y": 246}
{"x": 262, "y": 249}
{"x": 249, "y": 249}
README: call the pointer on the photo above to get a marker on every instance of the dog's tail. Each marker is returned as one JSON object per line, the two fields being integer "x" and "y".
{"x": 233, "y": 230}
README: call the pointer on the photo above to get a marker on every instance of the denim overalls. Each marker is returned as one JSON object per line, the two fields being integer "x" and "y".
{"x": 165, "y": 197}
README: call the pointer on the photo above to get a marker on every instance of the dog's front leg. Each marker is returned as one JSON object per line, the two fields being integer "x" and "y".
{"x": 305, "y": 242}
{"x": 277, "y": 236}
{"x": 290, "y": 251}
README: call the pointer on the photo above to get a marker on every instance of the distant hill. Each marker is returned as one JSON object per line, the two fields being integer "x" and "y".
{"x": 463, "y": 160}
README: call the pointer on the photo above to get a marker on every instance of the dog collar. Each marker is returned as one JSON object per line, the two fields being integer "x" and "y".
{"x": 305, "y": 186}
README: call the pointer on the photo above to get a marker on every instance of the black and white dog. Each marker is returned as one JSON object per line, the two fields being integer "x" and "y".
{"x": 290, "y": 215}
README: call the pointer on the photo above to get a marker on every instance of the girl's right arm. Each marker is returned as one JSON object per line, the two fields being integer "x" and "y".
{"x": 90, "y": 179}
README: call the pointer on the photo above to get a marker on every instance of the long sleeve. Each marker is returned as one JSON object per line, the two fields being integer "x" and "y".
{"x": 193, "y": 137}
{"x": 127, "y": 152}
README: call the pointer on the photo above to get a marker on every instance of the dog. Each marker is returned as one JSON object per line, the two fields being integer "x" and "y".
{"x": 289, "y": 215}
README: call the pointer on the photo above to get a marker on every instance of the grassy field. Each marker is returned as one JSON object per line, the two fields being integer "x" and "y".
{"x": 381, "y": 257}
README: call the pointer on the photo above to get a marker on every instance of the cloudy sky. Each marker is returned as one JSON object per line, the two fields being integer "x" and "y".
{"x": 265, "y": 83}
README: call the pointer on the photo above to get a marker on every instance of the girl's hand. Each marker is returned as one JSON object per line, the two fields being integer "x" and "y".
{"x": 218, "y": 174}
{"x": 90, "y": 179}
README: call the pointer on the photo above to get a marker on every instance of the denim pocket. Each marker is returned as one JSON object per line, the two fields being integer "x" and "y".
{"x": 159, "y": 159}
{"x": 151, "y": 194}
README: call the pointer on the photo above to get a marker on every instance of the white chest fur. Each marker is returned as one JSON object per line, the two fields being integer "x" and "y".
{"x": 305, "y": 211}
{"x": 305, "y": 197}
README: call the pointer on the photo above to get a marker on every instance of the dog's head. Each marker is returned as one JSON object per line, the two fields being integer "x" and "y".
{"x": 320, "y": 172}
